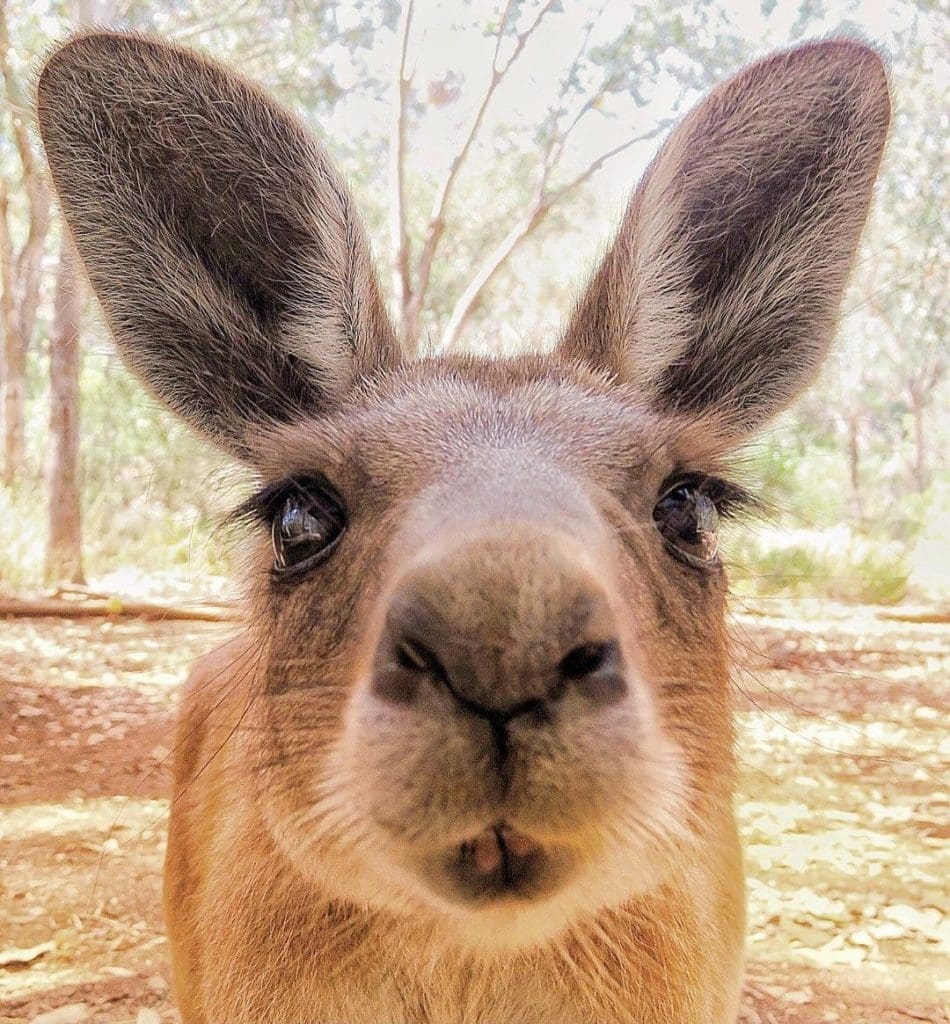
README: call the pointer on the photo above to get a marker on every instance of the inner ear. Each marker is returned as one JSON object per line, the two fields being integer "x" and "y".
{"x": 219, "y": 238}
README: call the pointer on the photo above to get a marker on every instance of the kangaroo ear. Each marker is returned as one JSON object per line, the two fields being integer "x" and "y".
{"x": 220, "y": 240}
{"x": 721, "y": 291}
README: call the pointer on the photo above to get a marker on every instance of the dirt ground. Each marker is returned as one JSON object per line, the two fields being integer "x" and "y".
{"x": 844, "y": 808}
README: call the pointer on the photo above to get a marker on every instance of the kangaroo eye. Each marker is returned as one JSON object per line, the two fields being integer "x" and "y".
{"x": 688, "y": 520}
{"x": 308, "y": 519}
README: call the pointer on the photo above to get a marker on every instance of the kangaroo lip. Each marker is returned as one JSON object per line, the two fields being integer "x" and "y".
{"x": 494, "y": 846}
{"x": 497, "y": 866}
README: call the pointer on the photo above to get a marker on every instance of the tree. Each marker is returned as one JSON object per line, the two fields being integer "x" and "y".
{"x": 64, "y": 542}
{"x": 596, "y": 75}
{"x": 901, "y": 299}
{"x": 623, "y": 83}
{"x": 64, "y": 495}
{"x": 913, "y": 309}
{"x": 488, "y": 143}
{"x": 20, "y": 267}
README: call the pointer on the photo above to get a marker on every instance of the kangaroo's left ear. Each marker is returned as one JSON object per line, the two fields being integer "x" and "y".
{"x": 221, "y": 241}
{"x": 721, "y": 291}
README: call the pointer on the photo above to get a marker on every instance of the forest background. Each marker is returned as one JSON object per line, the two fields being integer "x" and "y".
{"x": 490, "y": 146}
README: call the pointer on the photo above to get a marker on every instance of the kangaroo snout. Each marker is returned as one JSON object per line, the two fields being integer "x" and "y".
{"x": 462, "y": 641}
{"x": 500, "y": 710}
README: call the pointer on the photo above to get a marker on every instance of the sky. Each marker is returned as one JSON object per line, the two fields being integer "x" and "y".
{"x": 440, "y": 45}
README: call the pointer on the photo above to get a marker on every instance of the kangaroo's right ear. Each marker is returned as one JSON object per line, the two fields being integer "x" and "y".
{"x": 220, "y": 240}
{"x": 720, "y": 294}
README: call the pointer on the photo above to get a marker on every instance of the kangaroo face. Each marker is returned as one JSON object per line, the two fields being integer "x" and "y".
{"x": 478, "y": 676}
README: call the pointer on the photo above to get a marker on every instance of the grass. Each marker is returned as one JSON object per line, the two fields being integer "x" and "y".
{"x": 836, "y": 563}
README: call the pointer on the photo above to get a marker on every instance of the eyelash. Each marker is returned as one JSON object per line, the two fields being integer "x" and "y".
{"x": 730, "y": 499}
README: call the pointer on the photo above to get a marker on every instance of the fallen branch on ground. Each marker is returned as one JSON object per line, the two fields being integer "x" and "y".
{"x": 115, "y": 607}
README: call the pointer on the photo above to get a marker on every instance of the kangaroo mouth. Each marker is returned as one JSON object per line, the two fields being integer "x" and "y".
{"x": 498, "y": 849}
{"x": 499, "y": 862}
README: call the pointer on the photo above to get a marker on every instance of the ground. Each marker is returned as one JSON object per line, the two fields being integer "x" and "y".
{"x": 843, "y": 803}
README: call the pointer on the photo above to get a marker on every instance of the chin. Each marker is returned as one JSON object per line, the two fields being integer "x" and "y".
{"x": 522, "y": 894}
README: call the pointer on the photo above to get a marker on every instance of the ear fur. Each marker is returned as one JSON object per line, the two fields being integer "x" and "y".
{"x": 219, "y": 238}
{"x": 721, "y": 291}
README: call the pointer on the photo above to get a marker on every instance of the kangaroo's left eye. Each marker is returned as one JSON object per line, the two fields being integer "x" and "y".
{"x": 308, "y": 520}
{"x": 688, "y": 520}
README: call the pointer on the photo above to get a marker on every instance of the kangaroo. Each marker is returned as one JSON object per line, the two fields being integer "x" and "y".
{"x": 471, "y": 758}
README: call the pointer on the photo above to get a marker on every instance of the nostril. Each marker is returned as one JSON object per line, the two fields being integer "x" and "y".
{"x": 595, "y": 670}
{"x": 415, "y": 657}
{"x": 587, "y": 659}
{"x": 401, "y": 667}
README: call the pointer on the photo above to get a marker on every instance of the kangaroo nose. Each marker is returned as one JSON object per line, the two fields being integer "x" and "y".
{"x": 593, "y": 669}
{"x": 498, "y": 643}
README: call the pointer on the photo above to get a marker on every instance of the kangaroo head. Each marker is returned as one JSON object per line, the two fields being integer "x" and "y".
{"x": 489, "y": 681}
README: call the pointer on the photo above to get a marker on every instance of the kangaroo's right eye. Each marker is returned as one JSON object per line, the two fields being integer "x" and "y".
{"x": 307, "y": 521}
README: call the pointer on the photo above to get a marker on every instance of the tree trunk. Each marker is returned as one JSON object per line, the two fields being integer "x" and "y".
{"x": 21, "y": 270}
{"x": 6, "y": 274}
{"x": 64, "y": 542}
{"x": 401, "y": 256}
{"x": 13, "y": 352}
{"x": 918, "y": 412}
{"x": 854, "y": 465}
{"x": 14, "y": 403}
{"x": 64, "y": 545}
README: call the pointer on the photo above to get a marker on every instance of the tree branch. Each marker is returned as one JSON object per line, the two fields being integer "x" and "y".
{"x": 581, "y": 51}
{"x": 586, "y": 107}
{"x": 240, "y": 14}
{"x": 436, "y": 225}
{"x": 544, "y": 202}
{"x": 402, "y": 284}
{"x": 496, "y": 259}
{"x": 595, "y": 165}
{"x": 558, "y": 139}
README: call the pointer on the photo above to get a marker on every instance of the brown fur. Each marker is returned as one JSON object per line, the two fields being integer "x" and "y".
{"x": 509, "y": 504}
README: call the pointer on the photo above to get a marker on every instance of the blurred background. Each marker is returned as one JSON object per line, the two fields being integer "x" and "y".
{"x": 491, "y": 146}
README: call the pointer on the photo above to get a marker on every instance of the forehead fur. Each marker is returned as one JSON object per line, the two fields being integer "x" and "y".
{"x": 433, "y": 413}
